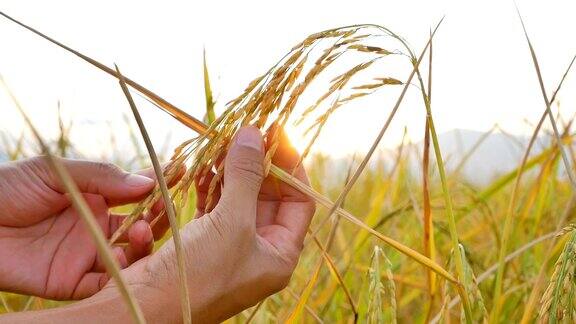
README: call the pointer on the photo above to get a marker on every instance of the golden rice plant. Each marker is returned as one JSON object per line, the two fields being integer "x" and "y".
{"x": 436, "y": 211}
{"x": 558, "y": 303}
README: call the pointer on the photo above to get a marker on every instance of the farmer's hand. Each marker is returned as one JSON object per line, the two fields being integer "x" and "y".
{"x": 243, "y": 250}
{"x": 45, "y": 249}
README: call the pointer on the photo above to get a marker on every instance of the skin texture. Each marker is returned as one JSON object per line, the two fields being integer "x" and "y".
{"x": 237, "y": 253}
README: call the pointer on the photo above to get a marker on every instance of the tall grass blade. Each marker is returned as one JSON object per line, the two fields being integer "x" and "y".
{"x": 429, "y": 243}
{"x": 167, "y": 107}
{"x": 168, "y": 204}
{"x": 210, "y": 114}
{"x": 569, "y": 170}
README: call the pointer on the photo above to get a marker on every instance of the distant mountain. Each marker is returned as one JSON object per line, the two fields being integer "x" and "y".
{"x": 497, "y": 153}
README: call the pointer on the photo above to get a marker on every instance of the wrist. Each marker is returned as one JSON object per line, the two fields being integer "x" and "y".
{"x": 107, "y": 306}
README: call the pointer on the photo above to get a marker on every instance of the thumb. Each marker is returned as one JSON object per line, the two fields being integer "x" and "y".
{"x": 243, "y": 172}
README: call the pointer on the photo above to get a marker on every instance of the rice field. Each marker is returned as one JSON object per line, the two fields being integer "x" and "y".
{"x": 388, "y": 243}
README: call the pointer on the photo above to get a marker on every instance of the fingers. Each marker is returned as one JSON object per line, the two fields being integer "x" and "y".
{"x": 140, "y": 244}
{"x": 243, "y": 173}
{"x": 105, "y": 179}
{"x": 287, "y": 158}
{"x": 119, "y": 255}
{"x": 90, "y": 284}
{"x": 141, "y": 241}
{"x": 296, "y": 209}
{"x": 149, "y": 173}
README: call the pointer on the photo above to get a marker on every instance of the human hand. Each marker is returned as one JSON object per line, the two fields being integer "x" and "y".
{"x": 44, "y": 246}
{"x": 243, "y": 250}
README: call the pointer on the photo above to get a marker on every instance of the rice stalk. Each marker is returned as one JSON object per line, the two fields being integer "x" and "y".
{"x": 458, "y": 260}
{"x": 168, "y": 204}
{"x": 429, "y": 242}
{"x": 86, "y": 215}
{"x": 535, "y": 294}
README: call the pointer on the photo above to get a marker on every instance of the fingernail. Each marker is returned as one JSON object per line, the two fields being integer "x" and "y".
{"x": 250, "y": 137}
{"x": 136, "y": 180}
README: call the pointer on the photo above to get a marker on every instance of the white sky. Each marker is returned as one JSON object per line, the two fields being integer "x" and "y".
{"x": 483, "y": 73}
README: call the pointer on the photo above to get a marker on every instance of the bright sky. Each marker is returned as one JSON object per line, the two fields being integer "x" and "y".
{"x": 483, "y": 73}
